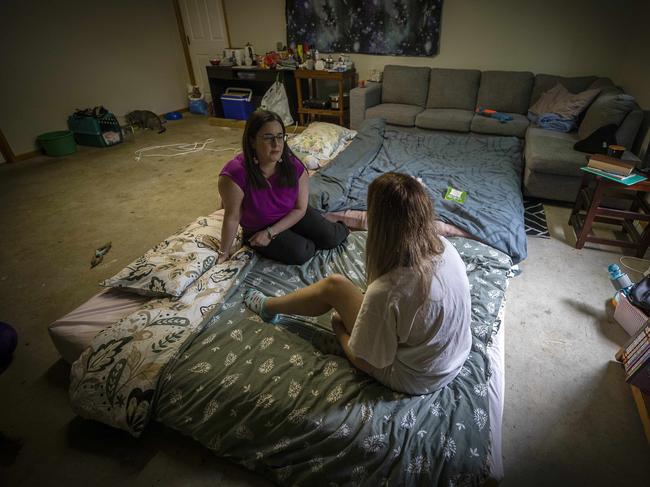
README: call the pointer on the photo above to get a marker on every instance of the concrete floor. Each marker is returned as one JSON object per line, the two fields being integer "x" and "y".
{"x": 569, "y": 418}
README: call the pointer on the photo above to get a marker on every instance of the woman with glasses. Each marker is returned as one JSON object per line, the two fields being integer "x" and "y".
{"x": 265, "y": 189}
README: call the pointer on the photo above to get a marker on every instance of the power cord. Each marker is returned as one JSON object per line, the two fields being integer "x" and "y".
{"x": 644, "y": 271}
{"x": 181, "y": 149}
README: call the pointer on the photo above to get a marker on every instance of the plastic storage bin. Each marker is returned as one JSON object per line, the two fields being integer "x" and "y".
{"x": 98, "y": 132}
{"x": 60, "y": 143}
{"x": 237, "y": 103}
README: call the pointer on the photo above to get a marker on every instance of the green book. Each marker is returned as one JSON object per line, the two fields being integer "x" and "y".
{"x": 626, "y": 180}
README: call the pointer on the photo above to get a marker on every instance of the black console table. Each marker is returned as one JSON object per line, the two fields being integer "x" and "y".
{"x": 258, "y": 80}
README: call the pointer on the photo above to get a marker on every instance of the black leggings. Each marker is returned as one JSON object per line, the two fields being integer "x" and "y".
{"x": 299, "y": 243}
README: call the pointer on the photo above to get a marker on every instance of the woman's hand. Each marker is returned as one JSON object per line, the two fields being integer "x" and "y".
{"x": 260, "y": 239}
{"x": 223, "y": 257}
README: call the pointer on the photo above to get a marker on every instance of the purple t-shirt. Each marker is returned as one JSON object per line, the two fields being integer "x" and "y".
{"x": 265, "y": 206}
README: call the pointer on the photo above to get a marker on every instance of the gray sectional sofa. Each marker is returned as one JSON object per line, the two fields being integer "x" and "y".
{"x": 420, "y": 98}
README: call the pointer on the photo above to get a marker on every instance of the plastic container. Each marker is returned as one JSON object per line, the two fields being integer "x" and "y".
{"x": 97, "y": 132}
{"x": 237, "y": 103}
{"x": 620, "y": 280}
{"x": 173, "y": 116}
{"x": 56, "y": 144}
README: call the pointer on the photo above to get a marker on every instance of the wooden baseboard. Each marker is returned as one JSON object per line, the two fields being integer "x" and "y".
{"x": 28, "y": 155}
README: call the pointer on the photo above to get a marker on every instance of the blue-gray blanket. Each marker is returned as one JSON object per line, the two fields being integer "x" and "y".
{"x": 488, "y": 168}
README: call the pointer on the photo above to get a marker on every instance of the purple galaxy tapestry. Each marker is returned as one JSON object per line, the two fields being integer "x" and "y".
{"x": 389, "y": 27}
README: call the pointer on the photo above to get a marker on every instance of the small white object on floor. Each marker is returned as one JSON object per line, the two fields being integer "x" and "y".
{"x": 181, "y": 149}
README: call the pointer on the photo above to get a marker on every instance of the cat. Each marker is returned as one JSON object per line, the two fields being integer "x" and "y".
{"x": 145, "y": 119}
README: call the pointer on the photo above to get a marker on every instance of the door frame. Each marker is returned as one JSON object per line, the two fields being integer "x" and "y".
{"x": 183, "y": 35}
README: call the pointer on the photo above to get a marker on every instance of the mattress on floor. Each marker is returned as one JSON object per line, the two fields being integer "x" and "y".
{"x": 277, "y": 401}
{"x": 74, "y": 332}
{"x": 358, "y": 220}
{"x": 104, "y": 309}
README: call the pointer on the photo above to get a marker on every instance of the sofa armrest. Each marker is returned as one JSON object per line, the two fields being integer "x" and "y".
{"x": 629, "y": 128}
{"x": 360, "y": 100}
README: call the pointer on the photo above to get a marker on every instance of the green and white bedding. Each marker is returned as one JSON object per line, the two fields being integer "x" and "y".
{"x": 282, "y": 400}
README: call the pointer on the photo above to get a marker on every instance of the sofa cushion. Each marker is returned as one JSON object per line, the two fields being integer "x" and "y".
{"x": 629, "y": 128}
{"x": 603, "y": 83}
{"x": 445, "y": 119}
{"x": 406, "y": 85}
{"x": 609, "y": 107}
{"x": 453, "y": 88}
{"x": 552, "y": 152}
{"x": 544, "y": 82}
{"x": 505, "y": 91}
{"x": 551, "y": 186}
{"x": 560, "y": 101}
{"x": 395, "y": 113}
{"x": 486, "y": 125}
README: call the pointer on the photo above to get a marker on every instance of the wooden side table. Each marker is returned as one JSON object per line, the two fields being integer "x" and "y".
{"x": 346, "y": 81}
{"x": 589, "y": 208}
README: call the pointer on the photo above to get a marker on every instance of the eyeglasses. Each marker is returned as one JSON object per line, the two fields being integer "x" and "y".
{"x": 269, "y": 138}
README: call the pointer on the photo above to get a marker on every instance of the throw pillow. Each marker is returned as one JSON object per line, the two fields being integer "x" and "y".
{"x": 610, "y": 107}
{"x": 321, "y": 139}
{"x": 171, "y": 266}
{"x": 599, "y": 140}
{"x": 564, "y": 103}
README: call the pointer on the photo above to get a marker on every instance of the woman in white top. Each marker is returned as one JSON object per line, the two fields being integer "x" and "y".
{"x": 411, "y": 329}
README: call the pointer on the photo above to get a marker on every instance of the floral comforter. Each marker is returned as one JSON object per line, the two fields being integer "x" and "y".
{"x": 282, "y": 399}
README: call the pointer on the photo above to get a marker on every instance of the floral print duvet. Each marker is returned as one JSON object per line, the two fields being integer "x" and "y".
{"x": 282, "y": 399}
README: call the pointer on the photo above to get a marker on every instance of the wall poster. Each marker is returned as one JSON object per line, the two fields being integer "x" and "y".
{"x": 388, "y": 27}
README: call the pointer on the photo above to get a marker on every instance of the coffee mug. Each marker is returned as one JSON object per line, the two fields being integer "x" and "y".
{"x": 615, "y": 151}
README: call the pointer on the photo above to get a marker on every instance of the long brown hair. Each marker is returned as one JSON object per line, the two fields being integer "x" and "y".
{"x": 401, "y": 230}
{"x": 286, "y": 169}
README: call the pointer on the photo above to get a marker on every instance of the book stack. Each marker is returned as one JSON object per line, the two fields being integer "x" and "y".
{"x": 614, "y": 169}
{"x": 636, "y": 359}
{"x": 611, "y": 165}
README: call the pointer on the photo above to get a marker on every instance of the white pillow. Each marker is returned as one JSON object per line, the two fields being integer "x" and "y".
{"x": 321, "y": 140}
{"x": 171, "y": 266}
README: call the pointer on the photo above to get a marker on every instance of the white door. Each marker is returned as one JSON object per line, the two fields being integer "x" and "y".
{"x": 205, "y": 28}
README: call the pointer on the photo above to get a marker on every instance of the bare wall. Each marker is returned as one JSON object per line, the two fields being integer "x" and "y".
{"x": 576, "y": 37}
{"x": 59, "y": 56}
{"x": 633, "y": 72}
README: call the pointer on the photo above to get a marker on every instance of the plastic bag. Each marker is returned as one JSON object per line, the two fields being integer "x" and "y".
{"x": 199, "y": 107}
{"x": 275, "y": 100}
{"x": 196, "y": 100}
{"x": 639, "y": 294}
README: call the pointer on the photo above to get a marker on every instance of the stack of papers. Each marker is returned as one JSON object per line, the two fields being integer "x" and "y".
{"x": 626, "y": 180}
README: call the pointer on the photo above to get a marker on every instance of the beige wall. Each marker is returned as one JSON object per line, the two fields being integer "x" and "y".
{"x": 59, "y": 56}
{"x": 576, "y": 37}
{"x": 633, "y": 72}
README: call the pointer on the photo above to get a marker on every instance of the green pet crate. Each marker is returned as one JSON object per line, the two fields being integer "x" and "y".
{"x": 94, "y": 131}
{"x": 56, "y": 144}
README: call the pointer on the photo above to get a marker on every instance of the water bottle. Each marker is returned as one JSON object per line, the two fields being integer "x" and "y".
{"x": 620, "y": 280}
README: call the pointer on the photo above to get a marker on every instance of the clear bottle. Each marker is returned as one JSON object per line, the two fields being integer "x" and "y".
{"x": 621, "y": 282}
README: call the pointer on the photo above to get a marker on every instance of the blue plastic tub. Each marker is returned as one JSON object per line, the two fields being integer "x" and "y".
{"x": 237, "y": 103}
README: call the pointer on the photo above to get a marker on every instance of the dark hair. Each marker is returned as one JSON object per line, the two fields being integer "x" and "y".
{"x": 286, "y": 169}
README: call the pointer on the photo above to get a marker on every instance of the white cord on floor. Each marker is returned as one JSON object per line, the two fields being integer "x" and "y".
{"x": 644, "y": 271}
{"x": 181, "y": 149}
